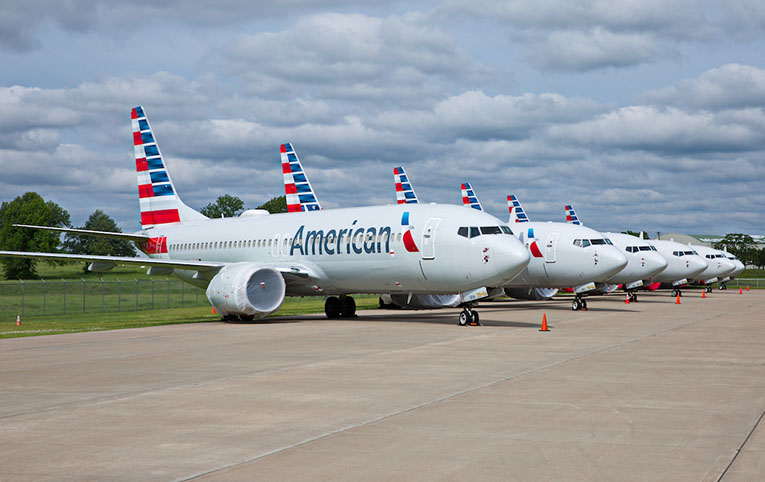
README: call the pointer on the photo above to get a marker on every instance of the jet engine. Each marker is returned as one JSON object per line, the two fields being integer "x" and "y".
{"x": 246, "y": 289}
{"x": 531, "y": 293}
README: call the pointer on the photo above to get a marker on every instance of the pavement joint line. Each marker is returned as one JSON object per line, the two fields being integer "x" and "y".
{"x": 741, "y": 447}
{"x": 434, "y": 402}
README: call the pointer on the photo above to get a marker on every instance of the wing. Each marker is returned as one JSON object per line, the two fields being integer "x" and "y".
{"x": 138, "y": 238}
{"x": 105, "y": 261}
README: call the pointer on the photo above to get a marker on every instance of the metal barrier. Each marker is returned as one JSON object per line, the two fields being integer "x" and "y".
{"x": 744, "y": 282}
{"x": 45, "y": 297}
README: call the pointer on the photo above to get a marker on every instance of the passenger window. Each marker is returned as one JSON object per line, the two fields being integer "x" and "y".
{"x": 463, "y": 231}
{"x": 474, "y": 233}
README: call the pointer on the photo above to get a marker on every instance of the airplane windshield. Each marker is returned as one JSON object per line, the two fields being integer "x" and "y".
{"x": 645, "y": 248}
{"x": 490, "y": 230}
{"x": 598, "y": 241}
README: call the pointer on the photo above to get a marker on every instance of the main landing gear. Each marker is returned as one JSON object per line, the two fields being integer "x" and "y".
{"x": 579, "y": 303}
{"x": 708, "y": 289}
{"x": 468, "y": 317}
{"x": 676, "y": 292}
{"x": 632, "y": 296}
{"x": 342, "y": 307}
{"x": 722, "y": 287}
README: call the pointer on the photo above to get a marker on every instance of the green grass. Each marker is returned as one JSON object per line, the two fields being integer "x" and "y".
{"x": 81, "y": 322}
{"x": 73, "y": 271}
{"x": 752, "y": 273}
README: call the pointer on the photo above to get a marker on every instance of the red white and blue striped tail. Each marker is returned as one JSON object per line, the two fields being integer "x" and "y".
{"x": 404, "y": 191}
{"x": 157, "y": 196}
{"x": 469, "y": 198}
{"x": 571, "y": 216}
{"x": 517, "y": 214}
{"x": 300, "y": 195}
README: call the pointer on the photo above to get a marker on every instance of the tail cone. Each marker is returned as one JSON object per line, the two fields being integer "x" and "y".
{"x": 544, "y": 323}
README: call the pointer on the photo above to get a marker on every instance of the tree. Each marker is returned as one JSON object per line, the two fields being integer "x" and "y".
{"x": 29, "y": 208}
{"x": 275, "y": 205}
{"x": 740, "y": 245}
{"x": 760, "y": 258}
{"x": 82, "y": 244}
{"x": 225, "y": 206}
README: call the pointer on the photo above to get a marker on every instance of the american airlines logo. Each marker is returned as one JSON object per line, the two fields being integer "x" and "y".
{"x": 356, "y": 240}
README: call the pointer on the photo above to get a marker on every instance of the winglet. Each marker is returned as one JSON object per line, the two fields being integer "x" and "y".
{"x": 571, "y": 216}
{"x": 517, "y": 214}
{"x": 158, "y": 199}
{"x": 404, "y": 191}
{"x": 300, "y": 195}
{"x": 469, "y": 198}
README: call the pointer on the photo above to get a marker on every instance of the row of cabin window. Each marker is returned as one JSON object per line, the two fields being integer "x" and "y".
{"x": 267, "y": 243}
{"x": 583, "y": 243}
{"x": 635, "y": 249}
{"x": 475, "y": 231}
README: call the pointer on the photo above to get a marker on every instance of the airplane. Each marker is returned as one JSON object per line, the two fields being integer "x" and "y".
{"x": 249, "y": 263}
{"x": 739, "y": 267}
{"x": 682, "y": 264}
{"x": 718, "y": 266}
{"x": 643, "y": 260}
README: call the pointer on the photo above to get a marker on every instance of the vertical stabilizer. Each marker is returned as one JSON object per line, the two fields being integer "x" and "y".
{"x": 157, "y": 196}
{"x": 297, "y": 188}
{"x": 404, "y": 191}
{"x": 469, "y": 198}
{"x": 517, "y": 214}
{"x": 571, "y": 216}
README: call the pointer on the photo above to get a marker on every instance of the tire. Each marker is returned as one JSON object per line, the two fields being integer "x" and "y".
{"x": 464, "y": 318}
{"x": 332, "y": 307}
{"x": 476, "y": 318}
{"x": 674, "y": 293}
{"x": 347, "y": 307}
{"x": 584, "y": 305}
{"x": 575, "y": 305}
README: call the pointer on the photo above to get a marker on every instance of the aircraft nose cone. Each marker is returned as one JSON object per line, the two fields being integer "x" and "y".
{"x": 696, "y": 265}
{"x": 655, "y": 264}
{"x": 612, "y": 261}
{"x": 727, "y": 266}
{"x": 512, "y": 257}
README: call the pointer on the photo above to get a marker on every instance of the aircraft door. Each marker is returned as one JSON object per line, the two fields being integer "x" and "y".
{"x": 550, "y": 247}
{"x": 429, "y": 238}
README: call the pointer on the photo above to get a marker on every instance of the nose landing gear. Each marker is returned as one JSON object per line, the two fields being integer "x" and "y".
{"x": 342, "y": 307}
{"x": 468, "y": 317}
{"x": 578, "y": 304}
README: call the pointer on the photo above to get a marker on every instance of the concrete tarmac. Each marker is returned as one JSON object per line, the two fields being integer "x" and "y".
{"x": 645, "y": 391}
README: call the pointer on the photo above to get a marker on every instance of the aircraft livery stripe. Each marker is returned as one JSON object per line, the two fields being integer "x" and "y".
{"x": 166, "y": 216}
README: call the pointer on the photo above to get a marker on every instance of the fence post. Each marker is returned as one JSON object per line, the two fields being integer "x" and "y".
{"x": 45, "y": 289}
{"x": 64, "y": 282}
{"x": 182, "y": 283}
{"x": 102, "y": 294}
{"x": 196, "y": 297}
{"x": 152, "y": 294}
{"x": 83, "y": 294}
{"x": 168, "y": 292}
{"x": 136, "y": 294}
{"x": 119, "y": 295}
{"x": 22, "y": 297}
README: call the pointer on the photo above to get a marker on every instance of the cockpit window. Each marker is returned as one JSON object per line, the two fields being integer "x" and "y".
{"x": 719, "y": 256}
{"x": 653, "y": 248}
{"x": 689, "y": 253}
{"x": 585, "y": 243}
{"x": 474, "y": 232}
{"x": 463, "y": 231}
{"x": 645, "y": 248}
{"x": 598, "y": 241}
{"x": 490, "y": 230}
{"x": 578, "y": 242}
{"x": 506, "y": 230}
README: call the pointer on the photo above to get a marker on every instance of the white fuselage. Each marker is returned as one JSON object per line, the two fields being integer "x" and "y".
{"x": 739, "y": 266}
{"x": 718, "y": 265}
{"x": 557, "y": 262}
{"x": 644, "y": 262}
{"x": 357, "y": 250}
{"x": 682, "y": 264}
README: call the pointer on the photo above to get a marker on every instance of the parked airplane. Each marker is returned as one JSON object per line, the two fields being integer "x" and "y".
{"x": 248, "y": 264}
{"x": 739, "y": 267}
{"x": 643, "y": 260}
{"x": 682, "y": 264}
{"x": 718, "y": 266}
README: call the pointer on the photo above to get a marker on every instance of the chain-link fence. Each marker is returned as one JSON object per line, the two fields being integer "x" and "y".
{"x": 32, "y": 298}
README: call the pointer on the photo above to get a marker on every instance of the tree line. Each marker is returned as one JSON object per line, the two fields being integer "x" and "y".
{"x": 30, "y": 208}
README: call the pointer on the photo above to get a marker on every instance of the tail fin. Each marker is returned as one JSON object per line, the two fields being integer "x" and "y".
{"x": 300, "y": 195}
{"x": 404, "y": 191}
{"x": 571, "y": 216}
{"x": 469, "y": 198}
{"x": 156, "y": 194}
{"x": 517, "y": 214}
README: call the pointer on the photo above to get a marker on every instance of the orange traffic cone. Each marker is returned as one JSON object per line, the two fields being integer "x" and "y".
{"x": 704, "y": 293}
{"x": 627, "y": 300}
{"x": 747, "y": 287}
{"x": 544, "y": 323}
{"x": 18, "y": 320}
{"x": 740, "y": 291}
{"x": 213, "y": 310}
{"x": 678, "y": 299}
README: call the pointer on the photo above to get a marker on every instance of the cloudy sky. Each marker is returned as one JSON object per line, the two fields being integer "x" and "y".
{"x": 644, "y": 114}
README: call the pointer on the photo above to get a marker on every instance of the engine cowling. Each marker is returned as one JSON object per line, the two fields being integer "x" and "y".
{"x": 531, "y": 293}
{"x": 247, "y": 289}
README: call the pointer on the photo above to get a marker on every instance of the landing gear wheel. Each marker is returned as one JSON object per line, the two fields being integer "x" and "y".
{"x": 584, "y": 305}
{"x": 723, "y": 287}
{"x": 675, "y": 293}
{"x": 332, "y": 307}
{"x": 708, "y": 289}
{"x": 575, "y": 306}
{"x": 633, "y": 298}
{"x": 464, "y": 318}
{"x": 347, "y": 307}
{"x": 476, "y": 318}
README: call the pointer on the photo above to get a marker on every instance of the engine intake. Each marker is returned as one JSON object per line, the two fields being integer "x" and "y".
{"x": 246, "y": 289}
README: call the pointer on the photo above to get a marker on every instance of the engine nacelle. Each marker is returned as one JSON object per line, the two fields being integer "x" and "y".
{"x": 531, "y": 293}
{"x": 419, "y": 302}
{"x": 246, "y": 289}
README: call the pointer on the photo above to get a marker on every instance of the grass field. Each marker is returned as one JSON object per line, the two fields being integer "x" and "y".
{"x": 79, "y": 322}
